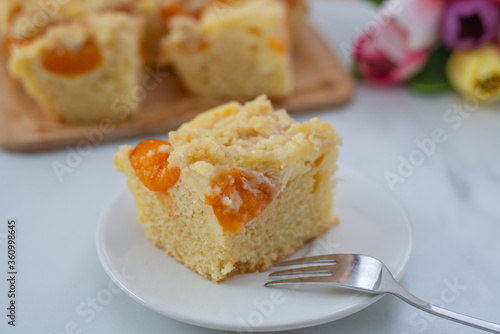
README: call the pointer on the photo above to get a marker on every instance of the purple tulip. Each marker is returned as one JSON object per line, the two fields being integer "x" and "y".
{"x": 467, "y": 24}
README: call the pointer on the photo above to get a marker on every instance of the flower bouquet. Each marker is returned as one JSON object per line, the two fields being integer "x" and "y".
{"x": 433, "y": 46}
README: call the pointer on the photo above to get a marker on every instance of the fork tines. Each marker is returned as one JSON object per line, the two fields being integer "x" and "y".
{"x": 321, "y": 268}
{"x": 293, "y": 281}
{"x": 313, "y": 270}
{"x": 319, "y": 259}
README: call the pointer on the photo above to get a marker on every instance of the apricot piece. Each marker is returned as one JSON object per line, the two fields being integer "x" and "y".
{"x": 7, "y": 44}
{"x": 67, "y": 62}
{"x": 318, "y": 161}
{"x": 277, "y": 44}
{"x": 150, "y": 162}
{"x": 168, "y": 12}
{"x": 239, "y": 196}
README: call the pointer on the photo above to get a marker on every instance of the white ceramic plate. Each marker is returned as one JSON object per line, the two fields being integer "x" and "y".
{"x": 371, "y": 222}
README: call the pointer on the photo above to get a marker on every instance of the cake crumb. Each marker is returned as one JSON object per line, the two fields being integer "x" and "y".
{"x": 215, "y": 191}
{"x": 226, "y": 201}
{"x": 165, "y": 149}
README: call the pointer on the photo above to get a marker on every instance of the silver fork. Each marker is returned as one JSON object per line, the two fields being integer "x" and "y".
{"x": 367, "y": 274}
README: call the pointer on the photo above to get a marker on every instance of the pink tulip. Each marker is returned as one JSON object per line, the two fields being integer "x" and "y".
{"x": 397, "y": 45}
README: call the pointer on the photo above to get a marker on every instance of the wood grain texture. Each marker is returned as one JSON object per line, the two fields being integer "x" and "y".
{"x": 321, "y": 82}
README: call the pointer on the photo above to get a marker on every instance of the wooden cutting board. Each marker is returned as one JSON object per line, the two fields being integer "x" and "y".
{"x": 320, "y": 82}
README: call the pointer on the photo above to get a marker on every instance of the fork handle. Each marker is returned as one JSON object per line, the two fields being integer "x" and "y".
{"x": 441, "y": 312}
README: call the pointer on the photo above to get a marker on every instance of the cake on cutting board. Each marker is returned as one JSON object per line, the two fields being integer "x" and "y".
{"x": 84, "y": 60}
{"x": 228, "y": 53}
{"x": 79, "y": 70}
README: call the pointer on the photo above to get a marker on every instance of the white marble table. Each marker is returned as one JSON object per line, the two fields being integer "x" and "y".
{"x": 452, "y": 196}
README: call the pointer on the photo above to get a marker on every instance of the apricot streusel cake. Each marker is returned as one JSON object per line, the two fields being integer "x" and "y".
{"x": 81, "y": 60}
{"x": 240, "y": 51}
{"x": 236, "y": 188}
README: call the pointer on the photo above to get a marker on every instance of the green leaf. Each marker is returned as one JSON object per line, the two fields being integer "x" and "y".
{"x": 355, "y": 71}
{"x": 378, "y": 2}
{"x": 432, "y": 79}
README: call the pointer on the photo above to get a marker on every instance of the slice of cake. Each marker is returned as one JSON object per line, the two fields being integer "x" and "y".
{"x": 235, "y": 49}
{"x": 236, "y": 188}
{"x": 24, "y": 20}
{"x": 85, "y": 69}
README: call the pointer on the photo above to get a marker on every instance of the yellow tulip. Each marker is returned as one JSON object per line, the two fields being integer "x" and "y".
{"x": 476, "y": 72}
